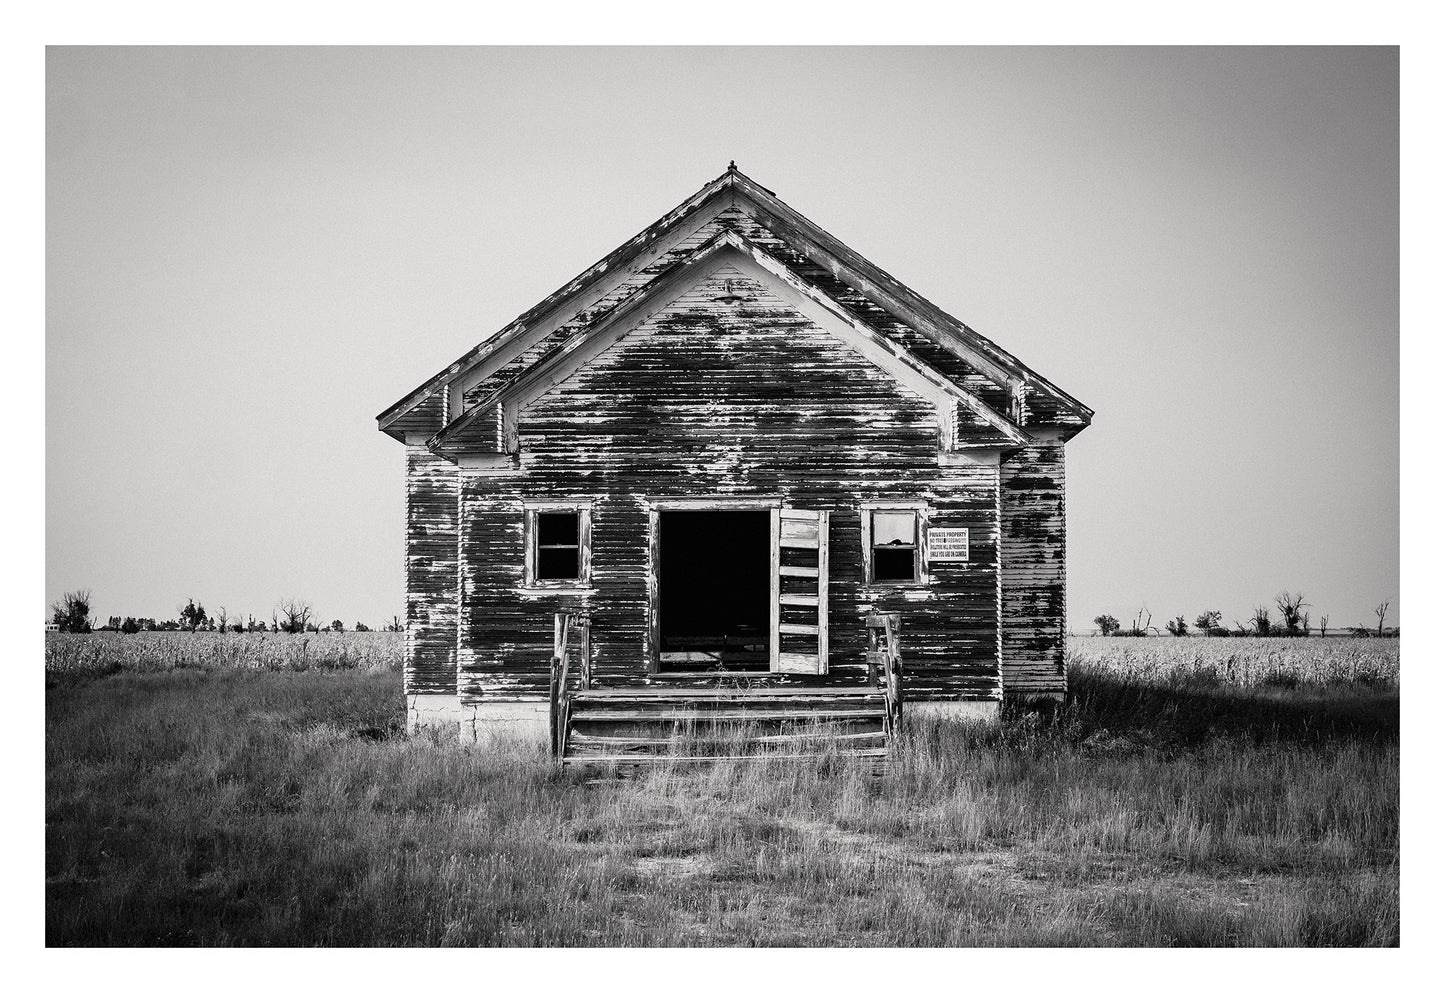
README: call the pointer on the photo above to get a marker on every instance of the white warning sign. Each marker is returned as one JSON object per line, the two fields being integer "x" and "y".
{"x": 948, "y": 544}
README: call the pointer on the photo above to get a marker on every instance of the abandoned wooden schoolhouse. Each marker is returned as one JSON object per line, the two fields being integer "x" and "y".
{"x": 733, "y": 470}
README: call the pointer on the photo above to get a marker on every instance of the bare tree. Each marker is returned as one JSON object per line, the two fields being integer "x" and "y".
{"x": 221, "y": 616}
{"x": 1260, "y": 621}
{"x": 1324, "y": 624}
{"x": 1380, "y": 613}
{"x": 296, "y": 614}
{"x": 1140, "y": 630}
{"x": 1291, "y": 607}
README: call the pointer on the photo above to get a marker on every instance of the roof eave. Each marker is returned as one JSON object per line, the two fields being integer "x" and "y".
{"x": 889, "y": 284}
{"x": 576, "y": 285}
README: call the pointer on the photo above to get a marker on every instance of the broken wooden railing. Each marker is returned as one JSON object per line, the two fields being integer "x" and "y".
{"x": 559, "y": 697}
{"x": 885, "y": 665}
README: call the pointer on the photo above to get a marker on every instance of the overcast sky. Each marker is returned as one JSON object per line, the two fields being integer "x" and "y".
{"x": 251, "y": 252}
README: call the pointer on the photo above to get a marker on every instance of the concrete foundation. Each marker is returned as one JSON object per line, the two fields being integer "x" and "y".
{"x": 513, "y": 720}
{"x": 431, "y": 710}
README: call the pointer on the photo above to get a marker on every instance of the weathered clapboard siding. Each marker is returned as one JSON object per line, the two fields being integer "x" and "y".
{"x": 754, "y": 226}
{"x": 432, "y": 487}
{"x": 706, "y": 399}
{"x": 876, "y": 284}
{"x": 1045, "y": 409}
{"x": 1031, "y": 486}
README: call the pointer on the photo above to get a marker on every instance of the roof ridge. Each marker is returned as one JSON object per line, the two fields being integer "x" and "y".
{"x": 870, "y": 280}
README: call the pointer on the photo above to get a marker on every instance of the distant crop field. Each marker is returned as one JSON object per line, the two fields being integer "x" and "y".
{"x": 1244, "y": 662}
{"x": 78, "y": 657}
{"x": 1180, "y": 799}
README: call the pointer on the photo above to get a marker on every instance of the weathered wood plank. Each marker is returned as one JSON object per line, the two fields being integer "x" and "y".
{"x": 432, "y": 488}
{"x": 797, "y": 662}
{"x": 852, "y": 753}
{"x": 1031, "y": 487}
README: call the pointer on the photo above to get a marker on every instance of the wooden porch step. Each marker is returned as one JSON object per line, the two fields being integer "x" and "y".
{"x": 690, "y": 716}
{"x": 720, "y": 692}
{"x": 604, "y": 746}
{"x": 621, "y": 741}
{"x": 858, "y": 753}
{"x": 762, "y": 704}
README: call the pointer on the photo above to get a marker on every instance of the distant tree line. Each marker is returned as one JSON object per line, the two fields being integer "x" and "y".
{"x": 1293, "y": 622}
{"x": 292, "y": 615}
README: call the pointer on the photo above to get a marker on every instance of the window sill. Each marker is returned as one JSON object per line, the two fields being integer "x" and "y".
{"x": 558, "y": 588}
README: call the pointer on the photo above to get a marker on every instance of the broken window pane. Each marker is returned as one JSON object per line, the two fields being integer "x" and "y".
{"x": 895, "y": 546}
{"x": 893, "y": 527}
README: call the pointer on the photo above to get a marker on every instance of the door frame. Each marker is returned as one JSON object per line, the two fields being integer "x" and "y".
{"x": 652, "y": 626}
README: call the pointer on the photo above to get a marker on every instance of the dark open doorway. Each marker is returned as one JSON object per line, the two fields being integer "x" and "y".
{"x": 714, "y": 585}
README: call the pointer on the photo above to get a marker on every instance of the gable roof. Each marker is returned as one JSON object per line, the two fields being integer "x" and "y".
{"x": 483, "y": 423}
{"x": 735, "y": 213}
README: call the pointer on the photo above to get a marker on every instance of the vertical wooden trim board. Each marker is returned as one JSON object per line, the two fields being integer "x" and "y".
{"x": 652, "y": 649}
{"x": 775, "y": 636}
{"x": 823, "y": 538}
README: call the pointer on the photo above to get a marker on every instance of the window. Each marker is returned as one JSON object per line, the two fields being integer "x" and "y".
{"x": 559, "y": 545}
{"x": 558, "y": 539}
{"x": 892, "y": 544}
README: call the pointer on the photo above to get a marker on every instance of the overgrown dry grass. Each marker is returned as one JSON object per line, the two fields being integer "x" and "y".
{"x": 226, "y": 806}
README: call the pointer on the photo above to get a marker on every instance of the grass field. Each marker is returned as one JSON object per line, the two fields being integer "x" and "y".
{"x": 1183, "y": 799}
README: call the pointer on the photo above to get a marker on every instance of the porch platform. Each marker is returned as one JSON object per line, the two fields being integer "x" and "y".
{"x": 593, "y": 725}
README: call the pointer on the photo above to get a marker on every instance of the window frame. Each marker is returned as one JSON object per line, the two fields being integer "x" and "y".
{"x": 530, "y": 531}
{"x": 920, "y": 538}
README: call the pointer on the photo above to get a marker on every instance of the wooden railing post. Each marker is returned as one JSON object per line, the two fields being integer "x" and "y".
{"x": 584, "y": 670}
{"x": 560, "y": 693}
{"x": 553, "y": 700}
{"x": 885, "y": 665}
{"x": 895, "y": 667}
